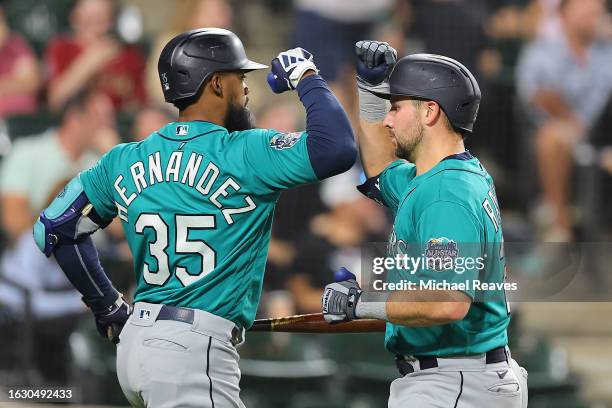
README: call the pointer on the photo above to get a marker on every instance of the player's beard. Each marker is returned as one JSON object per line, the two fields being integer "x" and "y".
{"x": 407, "y": 145}
{"x": 238, "y": 118}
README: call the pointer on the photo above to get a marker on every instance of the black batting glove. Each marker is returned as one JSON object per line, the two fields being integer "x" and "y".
{"x": 111, "y": 322}
{"x": 375, "y": 60}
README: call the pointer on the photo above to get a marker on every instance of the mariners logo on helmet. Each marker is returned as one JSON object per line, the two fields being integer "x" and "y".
{"x": 164, "y": 79}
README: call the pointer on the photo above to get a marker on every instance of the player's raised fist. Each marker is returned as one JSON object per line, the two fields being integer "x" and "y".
{"x": 288, "y": 68}
{"x": 375, "y": 60}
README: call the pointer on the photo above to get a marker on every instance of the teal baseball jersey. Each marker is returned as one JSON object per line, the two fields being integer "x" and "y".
{"x": 196, "y": 204}
{"x": 450, "y": 219}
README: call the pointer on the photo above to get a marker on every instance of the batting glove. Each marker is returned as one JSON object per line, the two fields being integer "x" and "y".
{"x": 288, "y": 67}
{"x": 375, "y": 60}
{"x": 339, "y": 300}
{"x": 111, "y": 322}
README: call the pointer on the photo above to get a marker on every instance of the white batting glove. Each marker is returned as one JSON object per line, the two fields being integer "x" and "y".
{"x": 288, "y": 67}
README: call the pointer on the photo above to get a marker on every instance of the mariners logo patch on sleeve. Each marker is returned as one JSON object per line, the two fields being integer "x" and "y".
{"x": 285, "y": 140}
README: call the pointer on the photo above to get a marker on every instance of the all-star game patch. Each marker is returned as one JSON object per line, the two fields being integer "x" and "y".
{"x": 440, "y": 252}
{"x": 285, "y": 140}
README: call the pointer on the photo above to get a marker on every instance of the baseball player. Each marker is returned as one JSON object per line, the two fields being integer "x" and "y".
{"x": 196, "y": 201}
{"x": 451, "y": 343}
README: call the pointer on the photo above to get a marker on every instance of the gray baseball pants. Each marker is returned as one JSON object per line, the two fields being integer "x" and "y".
{"x": 462, "y": 383}
{"x": 167, "y": 363}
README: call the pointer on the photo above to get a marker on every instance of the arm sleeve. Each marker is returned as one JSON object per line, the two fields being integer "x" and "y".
{"x": 81, "y": 264}
{"x": 389, "y": 186}
{"x": 327, "y": 147}
{"x": 331, "y": 143}
{"x": 98, "y": 188}
{"x": 450, "y": 242}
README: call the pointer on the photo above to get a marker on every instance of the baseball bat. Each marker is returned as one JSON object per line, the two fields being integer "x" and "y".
{"x": 315, "y": 323}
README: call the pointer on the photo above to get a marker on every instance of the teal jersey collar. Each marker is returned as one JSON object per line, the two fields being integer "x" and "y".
{"x": 471, "y": 164}
{"x": 189, "y": 130}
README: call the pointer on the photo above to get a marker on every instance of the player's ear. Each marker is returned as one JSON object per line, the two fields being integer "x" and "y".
{"x": 216, "y": 85}
{"x": 430, "y": 113}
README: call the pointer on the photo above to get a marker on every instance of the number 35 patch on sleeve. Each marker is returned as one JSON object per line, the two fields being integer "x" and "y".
{"x": 285, "y": 140}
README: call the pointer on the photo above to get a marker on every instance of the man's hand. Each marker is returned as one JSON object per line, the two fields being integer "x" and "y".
{"x": 111, "y": 322}
{"x": 375, "y": 60}
{"x": 339, "y": 299}
{"x": 288, "y": 68}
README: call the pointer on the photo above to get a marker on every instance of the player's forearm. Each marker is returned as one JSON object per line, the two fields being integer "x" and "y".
{"x": 417, "y": 307}
{"x": 81, "y": 264}
{"x": 331, "y": 143}
{"x": 376, "y": 148}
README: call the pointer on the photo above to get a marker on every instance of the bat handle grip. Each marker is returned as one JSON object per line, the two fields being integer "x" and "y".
{"x": 343, "y": 274}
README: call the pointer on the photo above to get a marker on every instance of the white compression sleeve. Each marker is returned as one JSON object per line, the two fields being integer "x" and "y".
{"x": 372, "y": 309}
{"x": 372, "y": 108}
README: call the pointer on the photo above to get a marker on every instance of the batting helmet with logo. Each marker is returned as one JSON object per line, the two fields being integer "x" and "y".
{"x": 189, "y": 59}
{"x": 440, "y": 79}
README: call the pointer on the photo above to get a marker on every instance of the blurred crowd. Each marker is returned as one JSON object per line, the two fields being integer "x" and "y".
{"x": 79, "y": 76}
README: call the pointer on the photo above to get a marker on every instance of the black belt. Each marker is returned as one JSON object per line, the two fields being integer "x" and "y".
{"x": 178, "y": 314}
{"x": 185, "y": 315}
{"x": 425, "y": 362}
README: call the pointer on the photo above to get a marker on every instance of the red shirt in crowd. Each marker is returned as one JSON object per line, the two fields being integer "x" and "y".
{"x": 122, "y": 79}
{"x": 12, "y": 51}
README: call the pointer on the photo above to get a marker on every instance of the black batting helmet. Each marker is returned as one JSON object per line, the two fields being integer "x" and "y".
{"x": 439, "y": 79}
{"x": 191, "y": 57}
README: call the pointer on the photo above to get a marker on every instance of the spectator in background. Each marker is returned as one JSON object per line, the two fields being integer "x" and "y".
{"x": 30, "y": 176}
{"x": 150, "y": 119}
{"x": 454, "y": 28}
{"x": 92, "y": 56}
{"x": 564, "y": 84}
{"x": 330, "y": 29}
{"x": 189, "y": 14}
{"x": 30, "y": 281}
{"x": 19, "y": 72}
{"x": 543, "y": 20}
{"x": 333, "y": 239}
{"x": 37, "y": 163}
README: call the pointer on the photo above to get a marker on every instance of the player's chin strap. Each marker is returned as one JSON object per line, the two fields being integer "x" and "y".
{"x": 63, "y": 229}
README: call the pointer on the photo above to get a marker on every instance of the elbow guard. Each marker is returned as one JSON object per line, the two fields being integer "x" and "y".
{"x": 67, "y": 219}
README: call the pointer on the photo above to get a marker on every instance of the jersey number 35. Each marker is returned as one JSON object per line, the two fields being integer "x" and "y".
{"x": 159, "y": 248}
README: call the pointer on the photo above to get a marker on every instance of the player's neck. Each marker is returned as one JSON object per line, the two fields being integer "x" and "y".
{"x": 432, "y": 150}
{"x": 205, "y": 111}
{"x": 191, "y": 116}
